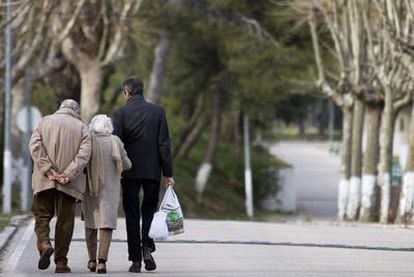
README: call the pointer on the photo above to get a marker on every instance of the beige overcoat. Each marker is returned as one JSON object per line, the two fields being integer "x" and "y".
{"x": 62, "y": 142}
{"x": 102, "y": 211}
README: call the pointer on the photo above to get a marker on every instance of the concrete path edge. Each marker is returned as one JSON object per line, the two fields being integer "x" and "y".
{"x": 7, "y": 234}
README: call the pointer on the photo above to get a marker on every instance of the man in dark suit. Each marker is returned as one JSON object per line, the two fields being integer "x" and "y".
{"x": 143, "y": 129}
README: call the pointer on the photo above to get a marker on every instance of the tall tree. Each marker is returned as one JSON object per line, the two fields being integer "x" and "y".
{"x": 92, "y": 36}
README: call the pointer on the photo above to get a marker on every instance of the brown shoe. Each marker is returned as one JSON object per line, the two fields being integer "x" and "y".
{"x": 101, "y": 269}
{"x": 92, "y": 265}
{"x": 62, "y": 266}
{"x": 45, "y": 251}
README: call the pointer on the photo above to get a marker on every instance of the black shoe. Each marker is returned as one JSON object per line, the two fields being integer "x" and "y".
{"x": 44, "y": 260}
{"x": 135, "y": 267}
{"x": 148, "y": 259}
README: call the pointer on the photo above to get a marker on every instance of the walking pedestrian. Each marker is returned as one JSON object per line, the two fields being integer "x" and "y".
{"x": 143, "y": 128}
{"x": 60, "y": 147}
{"x": 101, "y": 201}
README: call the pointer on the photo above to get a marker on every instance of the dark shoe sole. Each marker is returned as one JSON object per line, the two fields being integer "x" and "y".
{"x": 44, "y": 260}
{"x": 63, "y": 271}
{"x": 134, "y": 270}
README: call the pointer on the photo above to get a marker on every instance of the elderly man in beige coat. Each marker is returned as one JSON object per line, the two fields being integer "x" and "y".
{"x": 60, "y": 147}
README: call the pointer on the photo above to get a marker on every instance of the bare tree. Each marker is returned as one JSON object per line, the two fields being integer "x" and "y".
{"x": 337, "y": 88}
{"x": 92, "y": 36}
{"x": 394, "y": 79}
{"x": 398, "y": 18}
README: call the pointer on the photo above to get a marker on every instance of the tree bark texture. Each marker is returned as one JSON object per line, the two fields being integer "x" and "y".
{"x": 191, "y": 139}
{"x": 203, "y": 174}
{"x": 160, "y": 58}
{"x": 385, "y": 162}
{"x": 369, "y": 178}
{"x": 406, "y": 206}
{"x": 354, "y": 195}
{"x": 17, "y": 103}
{"x": 193, "y": 124}
{"x": 345, "y": 162}
{"x": 91, "y": 74}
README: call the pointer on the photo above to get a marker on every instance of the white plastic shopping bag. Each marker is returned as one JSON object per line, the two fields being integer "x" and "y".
{"x": 159, "y": 229}
{"x": 171, "y": 207}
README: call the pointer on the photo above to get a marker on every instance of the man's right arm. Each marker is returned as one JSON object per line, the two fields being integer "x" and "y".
{"x": 164, "y": 146}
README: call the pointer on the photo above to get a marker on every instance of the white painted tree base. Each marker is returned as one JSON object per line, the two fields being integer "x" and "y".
{"x": 407, "y": 194}
{"x": 385, "y": 198}
{"x": 343, "y": 191}
{"x": 354, "y": 197}
{"x": 203, "y": 175}
{"x": 368, "y": 195}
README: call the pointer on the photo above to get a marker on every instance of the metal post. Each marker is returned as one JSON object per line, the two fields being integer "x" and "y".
{"x": 331, "y": 122}
{"x": 26, "y": 170}
{"x": 248, "y": 171}
{"x": 7, "y": 156}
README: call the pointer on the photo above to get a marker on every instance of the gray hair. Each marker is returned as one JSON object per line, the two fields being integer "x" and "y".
{"x": 101, "y": 124}
{"x": 70, "y": 104}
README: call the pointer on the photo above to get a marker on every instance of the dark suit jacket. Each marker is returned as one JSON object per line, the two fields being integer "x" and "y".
{"x": 143, "y": 129}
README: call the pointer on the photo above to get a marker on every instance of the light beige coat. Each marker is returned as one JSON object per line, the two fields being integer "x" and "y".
{"x": 102, "y": 211}
{"x": 62, "y": 142}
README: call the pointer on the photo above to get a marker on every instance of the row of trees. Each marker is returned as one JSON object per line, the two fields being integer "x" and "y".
{"x": 67, "y": 45}
{"x": 208, "y": 62}
{"x": 363, "y": 52}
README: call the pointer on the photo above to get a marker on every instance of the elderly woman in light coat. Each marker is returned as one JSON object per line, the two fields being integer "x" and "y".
{"x": 100, "y": 205}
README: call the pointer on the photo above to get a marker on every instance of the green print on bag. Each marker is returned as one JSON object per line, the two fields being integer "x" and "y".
{"x": 175, "y": 222}
{"x": 171, "y": 206}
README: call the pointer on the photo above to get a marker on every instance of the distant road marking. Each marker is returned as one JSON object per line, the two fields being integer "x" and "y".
{"x": 18, "y": 252}
{"x": 270, "y": 243}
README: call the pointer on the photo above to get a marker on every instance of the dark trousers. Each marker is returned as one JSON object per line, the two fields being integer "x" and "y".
{"x": 45, "y": 205}
{"x": 137, "y": 238}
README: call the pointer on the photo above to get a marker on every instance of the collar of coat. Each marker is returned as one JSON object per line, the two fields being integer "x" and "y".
{"x": 136, "y": 97}
{"x": 68, "y": 111}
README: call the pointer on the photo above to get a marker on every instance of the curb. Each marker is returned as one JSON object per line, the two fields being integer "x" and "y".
{"x": 7, "y": 234}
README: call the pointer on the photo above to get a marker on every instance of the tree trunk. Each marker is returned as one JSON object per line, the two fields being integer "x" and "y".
{"x": 369, "y": 178}
{"x": 17, "y": 104}
{"x": 204, "y": 171}
{"x": 385, "y": 163}
{"x": 356, "y": 161}
{"x": 406, "y": 210}
{"x": 191, "y": 140}
{"x": 302, "y": 127}
{"x": 345, "y": 163}
{"x": 193, "y": 123}
{"x": 91, "y": 74}
{"x": 160, "y": 58}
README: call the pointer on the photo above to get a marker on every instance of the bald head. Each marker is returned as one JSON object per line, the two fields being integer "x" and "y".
{"x": 70, "y": 104}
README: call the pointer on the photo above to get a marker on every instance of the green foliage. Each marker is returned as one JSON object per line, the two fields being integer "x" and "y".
{"x": 224, "y": 194}
{"x": 44, "y": 97}
{"x": 4, "y": 221}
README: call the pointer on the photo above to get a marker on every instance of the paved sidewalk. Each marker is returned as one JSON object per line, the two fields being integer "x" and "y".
{"x": 316, "y": 175}
{"x": 233, "y": 248}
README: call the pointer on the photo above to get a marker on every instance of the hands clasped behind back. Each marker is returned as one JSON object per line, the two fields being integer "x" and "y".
{"x": 61, "y": 178}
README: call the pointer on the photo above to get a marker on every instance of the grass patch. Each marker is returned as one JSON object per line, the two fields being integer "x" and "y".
{"x": 4, "y": 221}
